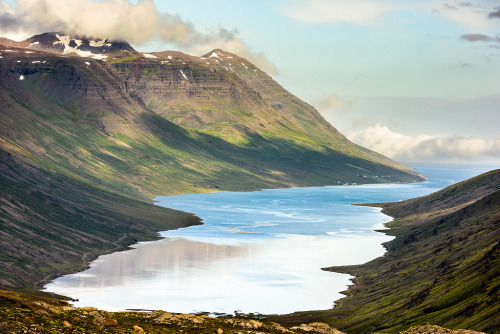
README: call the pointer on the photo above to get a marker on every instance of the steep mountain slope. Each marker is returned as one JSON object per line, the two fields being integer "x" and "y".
{"x": 91, "y": 124}
{"x": 71, "y": 111}
{"x": 442, "y": 268}
{"x": 224, "y": 95}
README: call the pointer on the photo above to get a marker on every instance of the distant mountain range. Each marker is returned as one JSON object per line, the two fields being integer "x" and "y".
{"x": 92, "y": 129}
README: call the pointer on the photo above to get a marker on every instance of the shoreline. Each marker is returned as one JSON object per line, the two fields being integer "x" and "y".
{"x": 295, "y": 193}
{"x": 38, "y": 286}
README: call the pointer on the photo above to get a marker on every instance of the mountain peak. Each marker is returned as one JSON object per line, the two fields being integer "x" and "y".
{"x": 60, "y": 42}
{"x": 218, "y": 53}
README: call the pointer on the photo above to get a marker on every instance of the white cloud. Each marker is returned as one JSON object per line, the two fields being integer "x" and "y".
{"x": 427, "y": 148}
{"x": 120, "y": 20}
{"x": 472, "y": 14}
{"x": 334, "y": 11}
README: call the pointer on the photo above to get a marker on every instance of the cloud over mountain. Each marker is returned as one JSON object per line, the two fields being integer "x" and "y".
{"x": 120, "y": 20}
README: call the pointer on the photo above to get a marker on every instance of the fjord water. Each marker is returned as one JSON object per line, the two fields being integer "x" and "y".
{"x": 256, "y": 252}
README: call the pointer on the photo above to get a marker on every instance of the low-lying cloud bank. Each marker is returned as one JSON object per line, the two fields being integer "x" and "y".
{"x": 121, "y": 20}
{"x": 426, "y": 148}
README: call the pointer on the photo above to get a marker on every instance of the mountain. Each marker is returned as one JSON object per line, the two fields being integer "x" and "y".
{"x": 442, "y": 268}
{"x": 96, "y": 48}
{"x": 90, "y": 124}
{"x": 202, "y": 118}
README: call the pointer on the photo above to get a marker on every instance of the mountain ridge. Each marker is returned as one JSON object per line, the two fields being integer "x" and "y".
{"x": 118, "y": 103}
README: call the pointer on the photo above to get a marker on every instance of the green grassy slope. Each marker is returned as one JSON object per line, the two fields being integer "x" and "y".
{"x": 87, "y": 121}
{"x": 442, "y": 268}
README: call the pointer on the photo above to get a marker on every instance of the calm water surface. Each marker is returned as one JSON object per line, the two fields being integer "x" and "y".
{"x": 256, "y": 252}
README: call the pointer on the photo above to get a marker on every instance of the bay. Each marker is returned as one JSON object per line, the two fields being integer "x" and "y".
{"x": 256, "y": 252}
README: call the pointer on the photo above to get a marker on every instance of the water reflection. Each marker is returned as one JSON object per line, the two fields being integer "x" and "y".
{"x": 148, "y": 259}
{"x": 280, "y": 275}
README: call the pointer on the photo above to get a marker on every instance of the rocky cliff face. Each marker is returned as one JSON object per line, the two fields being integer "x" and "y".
{"x": 206, "y": 92}
{"x": 190, "y": 92}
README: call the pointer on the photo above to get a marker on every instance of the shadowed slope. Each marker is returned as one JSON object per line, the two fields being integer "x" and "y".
{"x": 51, "y": 223}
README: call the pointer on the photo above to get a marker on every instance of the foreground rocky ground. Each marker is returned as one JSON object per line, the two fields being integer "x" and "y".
{"x": 23, "y": 313}
{"x": 29, "y": 314}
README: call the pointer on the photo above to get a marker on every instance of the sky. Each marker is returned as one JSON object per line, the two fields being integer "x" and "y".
{"x": 416, "y": 80}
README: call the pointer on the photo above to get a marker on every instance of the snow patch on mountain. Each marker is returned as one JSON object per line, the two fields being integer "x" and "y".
{"x": 66, "y": 42}
{"x": 214, "y": 55}
{"x": 185, "y": 77}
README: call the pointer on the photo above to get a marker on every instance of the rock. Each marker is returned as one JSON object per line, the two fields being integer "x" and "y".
{"x": 317, "y": 327}
{"x": 41, "y": 312}
{"x": 66, "y": 324}
{"x": 220, "y": 331}
{"x": 279, "y": 328}
{"x": 39, "y": 308}
{"x": 251, "y": 324}
{"x": 107, "y": 322}
{"x": 138, "y": 329}
{"x": 164, "y": 318}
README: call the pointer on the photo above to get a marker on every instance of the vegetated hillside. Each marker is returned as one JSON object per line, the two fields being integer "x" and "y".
{"x": 53, "y": 224}
{"x": 89, "y": 127}
{"x": 111, "y": 120}
{"x": 442, "y": 268}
